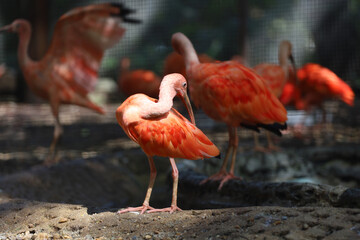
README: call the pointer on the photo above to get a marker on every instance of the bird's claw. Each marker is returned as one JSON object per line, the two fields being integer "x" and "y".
{"x": 273, "y": 148}
{"x": 228, "y": 177}
{"x": 261, "y": 149}
{"x": 221, "y": 176}
{"x": 169, "y": 209}
{"x": 51, "y": 159}
{"x": 142, "y": 209}
{"x": 216, "y": 177}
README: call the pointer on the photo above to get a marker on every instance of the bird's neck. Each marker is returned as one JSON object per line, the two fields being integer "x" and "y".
{"x": 23, "y": 56}
{"x": 163, "y": 106}
{"x": 186, "y": 49}
{"x": 284, "y": 63}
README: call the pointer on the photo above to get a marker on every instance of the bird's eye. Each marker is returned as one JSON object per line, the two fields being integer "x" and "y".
{"x": 184, "y": 84}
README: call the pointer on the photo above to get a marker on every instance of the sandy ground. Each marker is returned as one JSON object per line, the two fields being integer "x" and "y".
{"x": 37, "y": 220}
{"x": 102, "y": 171}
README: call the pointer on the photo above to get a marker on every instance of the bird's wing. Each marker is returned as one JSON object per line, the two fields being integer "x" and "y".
{"x": 80, "y": 38}
{"x": 323, "y": 81}
{"x": 236, "y": 94}
{"x": 273, "y": 75}
{"x": 173, "y": 136}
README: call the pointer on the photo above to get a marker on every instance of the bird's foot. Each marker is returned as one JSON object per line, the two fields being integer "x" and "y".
{"x": 273, "y": 148}
{"x": 261, "y": 149}
{"x": 221, "y": 176}
{"x": 299, "y": 131}
{"x": 51, "y": 159}
{"x": 216, "y": 177}
{"x": 142, "y": 209}
{"x": 169, "y": 209}
{"x": 228, "y": 177}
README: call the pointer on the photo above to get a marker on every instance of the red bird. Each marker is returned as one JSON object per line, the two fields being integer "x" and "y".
{"x": 232, "y": 93}
{"x": 174, "y": 63}
{"x": 317, "y": 84}
{"x": 137, "y": 81}
{"x": 160, "y": 130}
{"x": 275, "y": 77}
{"x": 69, "y": 69}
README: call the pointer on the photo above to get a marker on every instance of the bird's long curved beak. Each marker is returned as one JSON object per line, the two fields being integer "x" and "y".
{"x": 6, "y": 28}
{"x": 185, "y": 99}
{"x": 292, "y": 60}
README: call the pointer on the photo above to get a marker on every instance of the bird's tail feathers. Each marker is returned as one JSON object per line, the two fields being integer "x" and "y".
{"x": 274, "y": 128}
{"x": 124, "y": 12}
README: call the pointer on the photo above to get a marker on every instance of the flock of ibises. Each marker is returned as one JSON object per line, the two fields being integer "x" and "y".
{"x": 227, "y": 91}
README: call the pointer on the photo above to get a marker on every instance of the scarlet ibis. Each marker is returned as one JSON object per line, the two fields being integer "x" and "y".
{"x": 275, "y": 77}
{"x": 162, "y": 131}
{"x": 174, "y": 63}
{"x": 137, "y": 81}
{"x": 231, "y": 93}
{"x": 69, "y": 69}
{"x": 317, "y": 84}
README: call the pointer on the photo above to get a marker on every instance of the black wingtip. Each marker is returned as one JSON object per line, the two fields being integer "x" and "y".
{"x": 274, "y": 128}
{"x": 251, "y": 127}
{"x": 218, "y": 156}
{"x": 124, "y": 12}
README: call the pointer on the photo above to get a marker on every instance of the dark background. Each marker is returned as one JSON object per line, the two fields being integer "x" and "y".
{"x": 325, "y": 32}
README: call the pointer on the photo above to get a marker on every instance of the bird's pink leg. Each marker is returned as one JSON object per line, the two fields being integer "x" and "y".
{"x": 271, "y": 145}
{"x": 58, "y": 131}
{"x": 222, "y": 172}
{"x": 145, "y": 206}
{"x": 223, "y": 175}
{"x": 175, "y": 175}
{"x": 230, "y": 175}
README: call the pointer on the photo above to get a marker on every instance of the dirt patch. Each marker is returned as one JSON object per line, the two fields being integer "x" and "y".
{"x": 31, "y": 219}
{"x": 309, "y": 190}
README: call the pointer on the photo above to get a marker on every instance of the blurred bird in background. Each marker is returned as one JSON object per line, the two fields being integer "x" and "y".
{"x": 231, "y": 93}
{"x": 137, "y": 81}
{"x": 316, "y": 84}
{"x": 275, "y": 76}
{"x": 69, "y": 69}
{"x": 160, "y": 130}
{"x": 175, "y": 63}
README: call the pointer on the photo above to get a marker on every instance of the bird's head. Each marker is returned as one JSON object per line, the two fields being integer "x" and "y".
{"x": 180, "y": 86}
{"x": 18, "y": 26}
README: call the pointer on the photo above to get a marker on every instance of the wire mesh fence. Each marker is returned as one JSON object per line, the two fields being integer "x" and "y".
{"x": 320, "y": 31}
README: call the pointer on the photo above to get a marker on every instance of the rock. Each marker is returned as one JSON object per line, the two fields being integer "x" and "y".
{"x": 237, "y": 193}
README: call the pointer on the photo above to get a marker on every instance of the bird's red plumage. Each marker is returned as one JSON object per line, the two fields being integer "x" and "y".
{"x": 229, "y": 92}
{"x": 273, "y": 75}
{"x": 80, "y": 38}
{"x": 169, "y": 136}
{"x": 317, "y": 83}
{"x": 137, "y": 81}
{"x": 174, "y": 63}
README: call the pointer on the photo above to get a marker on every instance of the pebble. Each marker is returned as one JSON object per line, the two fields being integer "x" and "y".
{"x": 305, "y": 226}
{"x": 148, "y": 237}
{"x": 42, "y": 236}
{"x": 63, "y": 220}
{"x": 56, "y": 236}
